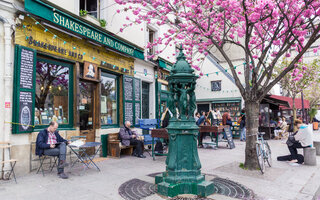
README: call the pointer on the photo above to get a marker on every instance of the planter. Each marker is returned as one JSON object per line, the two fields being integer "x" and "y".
{"x": 91, "y": 19}
{"x": 315, "y": 125}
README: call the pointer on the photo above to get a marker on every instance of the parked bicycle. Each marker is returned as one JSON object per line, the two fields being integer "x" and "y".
{"x": 263, "y": 152}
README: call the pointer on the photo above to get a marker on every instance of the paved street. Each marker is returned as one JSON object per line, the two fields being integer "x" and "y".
{"x": 282, "y": 181}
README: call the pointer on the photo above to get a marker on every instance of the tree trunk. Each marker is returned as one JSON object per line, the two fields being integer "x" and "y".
{"x": 294, "y": 110}
{"x": 252, "y": 124}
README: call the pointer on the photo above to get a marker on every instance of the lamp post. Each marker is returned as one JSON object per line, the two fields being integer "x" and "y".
{"x": 182, "y": 175}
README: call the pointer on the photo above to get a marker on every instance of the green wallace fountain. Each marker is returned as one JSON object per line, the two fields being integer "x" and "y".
{"x": 183, "y": 174}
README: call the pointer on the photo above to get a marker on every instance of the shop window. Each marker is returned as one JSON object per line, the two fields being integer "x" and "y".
{"x": 91, "y": 6}
{"x": 215, "y": 85}
{"x": 109, "y": 99}
{"x": 52, "y": 93}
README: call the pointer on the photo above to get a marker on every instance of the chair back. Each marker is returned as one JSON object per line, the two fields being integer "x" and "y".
{"x": 147, "y": 124}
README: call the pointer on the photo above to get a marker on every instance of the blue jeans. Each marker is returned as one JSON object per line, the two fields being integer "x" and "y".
{"x": 243, "y": 134}
{"x": 60, "y": 150}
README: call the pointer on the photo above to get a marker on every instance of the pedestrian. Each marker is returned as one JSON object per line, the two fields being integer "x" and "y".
{"x": 226, "y": 121}
{"x": 49, "y": 142}
{"x": 201, "y": 121}
{"x": 243, "y": 125}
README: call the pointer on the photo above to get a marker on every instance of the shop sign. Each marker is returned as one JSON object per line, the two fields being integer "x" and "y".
{"x": 90, "y": 71}
{"x": 54, "y": 48}
{"x": 76, "y": 25}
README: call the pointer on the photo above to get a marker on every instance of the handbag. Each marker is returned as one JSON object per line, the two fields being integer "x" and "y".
{"x": 291, "y": 140}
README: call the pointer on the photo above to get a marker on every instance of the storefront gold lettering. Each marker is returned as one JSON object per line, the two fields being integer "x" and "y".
{"x": 76, "y": 27}
{"x": 54, "y": 48}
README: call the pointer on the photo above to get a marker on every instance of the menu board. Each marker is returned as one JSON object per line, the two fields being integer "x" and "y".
{"x": 128, "y": 88}
{"x": 128, "y": 112}
{"x": 26, "y": 68}
{"x": 25, "y": 111}
{"x": 137, "y": 112}
{"x": 229, "y": 137}
{"x": 137, "y": 89}
{"x": 24, "y": 90}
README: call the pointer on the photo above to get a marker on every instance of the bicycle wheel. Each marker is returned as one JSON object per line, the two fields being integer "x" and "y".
{"x": 260, "y": 158}
{"x": 268, "y": 153}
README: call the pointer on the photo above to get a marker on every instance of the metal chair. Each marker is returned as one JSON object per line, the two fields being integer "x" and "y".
{"x": 51, "y": 163}
{"x": 5, "y": 146}
{"x": 148, "y": 124}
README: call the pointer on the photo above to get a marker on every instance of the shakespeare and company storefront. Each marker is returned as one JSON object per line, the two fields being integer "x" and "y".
{"x": 59, "y": 76}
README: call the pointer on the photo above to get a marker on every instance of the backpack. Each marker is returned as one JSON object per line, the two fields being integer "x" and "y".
{"x": 159, "y": 147}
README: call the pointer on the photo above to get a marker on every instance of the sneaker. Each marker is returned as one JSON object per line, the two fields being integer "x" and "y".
{"x": 63, "y": 164}
{"x": 141, "y": 156}
{"x": 63, "y": 175}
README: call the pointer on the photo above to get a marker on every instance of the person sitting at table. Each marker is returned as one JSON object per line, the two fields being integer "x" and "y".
{"x": 279, "y": 133}
{"x": 129, "y": 137}
{"x": 50, "y": 143}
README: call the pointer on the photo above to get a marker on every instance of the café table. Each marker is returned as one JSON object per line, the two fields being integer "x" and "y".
{"x": 83, "y": 157}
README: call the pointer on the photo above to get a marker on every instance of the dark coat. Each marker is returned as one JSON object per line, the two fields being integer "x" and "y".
{"x": 125, "y": 136}
{"x": 243, "y": 121}
{"x": 42, "y": 140}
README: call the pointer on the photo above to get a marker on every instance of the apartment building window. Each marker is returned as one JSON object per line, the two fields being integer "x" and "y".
{"x": 215, "y": 85}
{"x": 92, "y": 6}
{"x": 151, "y": 37}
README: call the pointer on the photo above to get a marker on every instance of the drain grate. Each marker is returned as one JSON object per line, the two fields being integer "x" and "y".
{"x": 231, "y": 189}
{"x": 136, "y": 189}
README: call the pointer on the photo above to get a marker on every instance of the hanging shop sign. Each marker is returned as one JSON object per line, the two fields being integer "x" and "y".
{"x": 90, "y": 71}
{"x": 77, "y": 25}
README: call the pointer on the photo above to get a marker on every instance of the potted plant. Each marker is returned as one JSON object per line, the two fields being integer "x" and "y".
{"x": 83, "y": 12}
{"x": 312, "y": 114}
{"x": 102, "y": 22}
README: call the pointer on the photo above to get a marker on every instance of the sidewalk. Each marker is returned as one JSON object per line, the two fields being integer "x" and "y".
{"x": 282, "y": 181}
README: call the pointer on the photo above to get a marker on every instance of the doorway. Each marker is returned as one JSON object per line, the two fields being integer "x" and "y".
{"x": 87, "y": 112}
{"x": 145, "y": 102}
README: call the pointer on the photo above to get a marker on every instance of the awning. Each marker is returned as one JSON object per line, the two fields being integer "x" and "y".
{"x": 289, "y": 102}
{"x": 275, "y": 101}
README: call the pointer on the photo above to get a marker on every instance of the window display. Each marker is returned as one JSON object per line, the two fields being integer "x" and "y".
{"x": 108, "y": 99}
{"x": 52, "y": 88}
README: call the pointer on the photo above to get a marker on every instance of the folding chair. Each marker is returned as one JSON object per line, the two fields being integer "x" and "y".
{"x": 51, "y": 164}
{"x": 148, "y": 124}
{"x": 5, "y": 146}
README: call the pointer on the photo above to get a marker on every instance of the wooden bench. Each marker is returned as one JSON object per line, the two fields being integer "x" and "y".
{"x": 115, "y": 148}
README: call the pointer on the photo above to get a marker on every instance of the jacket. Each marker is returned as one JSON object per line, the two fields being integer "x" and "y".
{"x": 42, "y": 140}
{"x": 125, "y": 136}
{"x": 304, "y": 136}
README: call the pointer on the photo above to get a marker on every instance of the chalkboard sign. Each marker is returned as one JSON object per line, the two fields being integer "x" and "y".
{"x": 137, "y": 113}
{"x": 132, "y": 99}
{"x": 25, "y": 111}
{"x": 229, "y": 137}
{"x": 26, "y": 68}
{"x": 24, "y": 89}
{"x": 137, "y": 89}
{"x": 128, "y": 88}
{"x": 128, "y": 112}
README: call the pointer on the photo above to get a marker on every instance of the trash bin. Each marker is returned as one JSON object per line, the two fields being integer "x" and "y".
{"x": 104, "y": 142}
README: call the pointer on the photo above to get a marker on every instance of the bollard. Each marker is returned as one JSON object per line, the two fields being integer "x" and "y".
{"x": 316, "y": 144}
{"x": 310, "y": 157}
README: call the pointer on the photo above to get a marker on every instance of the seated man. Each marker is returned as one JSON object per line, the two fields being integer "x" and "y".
{"x": 129, "y": 137}
{"x": 50, "y": 143}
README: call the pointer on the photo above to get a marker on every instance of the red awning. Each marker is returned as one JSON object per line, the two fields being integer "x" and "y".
{"x": 298, "y": 102}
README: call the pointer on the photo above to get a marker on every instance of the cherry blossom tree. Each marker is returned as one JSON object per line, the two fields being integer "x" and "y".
{"x": 258, "y": 28}
{"x": 298, "y": 80}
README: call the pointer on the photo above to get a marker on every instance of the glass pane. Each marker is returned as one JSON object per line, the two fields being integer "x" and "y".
{"x": 86, "y": 105}
{"x": 108, "y": 100}
{"x": 52, "y": 86}
{"x": 92, "y": 8}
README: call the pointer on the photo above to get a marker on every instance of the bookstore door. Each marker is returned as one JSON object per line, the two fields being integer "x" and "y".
{"x": 87, "y": 112}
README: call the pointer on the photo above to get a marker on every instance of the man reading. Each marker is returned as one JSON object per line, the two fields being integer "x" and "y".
{"x": 50, "y": 143}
